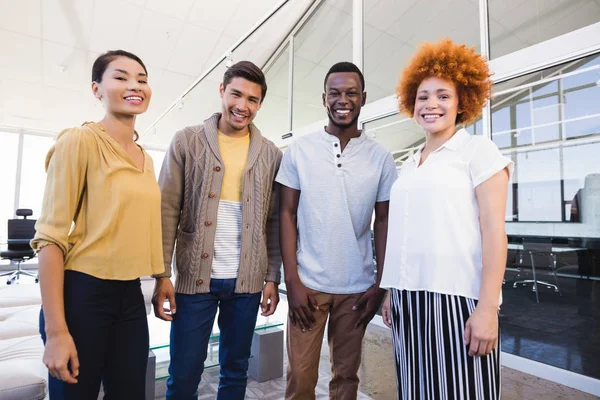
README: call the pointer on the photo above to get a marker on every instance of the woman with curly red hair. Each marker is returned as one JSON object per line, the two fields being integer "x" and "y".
{"x": 446, "y": 249}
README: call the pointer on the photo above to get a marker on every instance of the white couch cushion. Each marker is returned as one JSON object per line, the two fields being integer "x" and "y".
{"x": 19, "y": 321}
{"x": 20, "y": 295}
{"x": 21, "y": 368}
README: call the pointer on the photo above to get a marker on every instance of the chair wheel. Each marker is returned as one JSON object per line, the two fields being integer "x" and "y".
{"x": 8, "y": 282}
{"x": 37, "y": 280}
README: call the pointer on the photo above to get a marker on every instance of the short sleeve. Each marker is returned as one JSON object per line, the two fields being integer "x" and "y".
{"x": 288, "y": 171}
{"x": 487, "y": 161}
{"x": 389, "y": 174}
{"x": 66, "y": 165}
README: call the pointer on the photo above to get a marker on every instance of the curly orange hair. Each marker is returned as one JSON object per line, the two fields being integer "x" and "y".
{"x": 456, "y": 63}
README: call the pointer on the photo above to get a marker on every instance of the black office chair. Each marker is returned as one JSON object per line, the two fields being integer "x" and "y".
{"x": 20, "y": 232}
{"x": 541, "y": 247}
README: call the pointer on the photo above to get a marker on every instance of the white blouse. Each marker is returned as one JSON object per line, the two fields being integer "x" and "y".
{"x": 434, "y": 236}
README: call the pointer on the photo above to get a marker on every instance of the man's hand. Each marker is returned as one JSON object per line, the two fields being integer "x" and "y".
{"x": 60, "y": 357}
{"x": 163, "y": 290}
{"x": 270, "y": 299}
{"x": 370, "y": 301}
{"x": 481, "y": 331}
{"x": 301, "y": 305}
{"x": 386, "y": 310}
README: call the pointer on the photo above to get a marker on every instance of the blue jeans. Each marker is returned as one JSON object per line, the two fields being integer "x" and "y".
{"x": 190, "y": 333}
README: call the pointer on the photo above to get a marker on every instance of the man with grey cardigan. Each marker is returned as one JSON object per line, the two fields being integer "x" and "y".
{"x": 220, "y": 213}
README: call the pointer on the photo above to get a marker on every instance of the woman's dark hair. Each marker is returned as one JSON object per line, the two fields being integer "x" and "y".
{"x": 102, "y": 62}
{"x": 248, "y": 71}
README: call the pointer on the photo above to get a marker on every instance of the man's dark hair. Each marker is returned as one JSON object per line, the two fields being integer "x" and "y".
{"x": 345, "y": 66}
{"x": 103, "y": 60}
{"x": 248, "y": 71}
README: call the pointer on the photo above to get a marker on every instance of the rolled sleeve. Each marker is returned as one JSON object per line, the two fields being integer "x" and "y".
{"x": 487, "y": 161}
{"x": 66, "y": 166}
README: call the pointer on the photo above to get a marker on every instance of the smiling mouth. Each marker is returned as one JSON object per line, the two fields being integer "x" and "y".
{"x": 238, "y": 115}
{"x": 134, "y": 99}
{"x": 431, "y": 117}
{"x": 342, "y": 113}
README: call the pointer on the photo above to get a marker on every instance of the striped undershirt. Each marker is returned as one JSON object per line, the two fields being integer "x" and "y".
{"x": 228, "y": 234}
{"x": 228, "y": 240}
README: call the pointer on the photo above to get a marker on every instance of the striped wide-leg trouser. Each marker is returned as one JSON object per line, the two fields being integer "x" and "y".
{"x": 432, "y": 361}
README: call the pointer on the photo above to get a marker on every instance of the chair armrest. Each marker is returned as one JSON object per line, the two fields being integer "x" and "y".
{"x": 18, "y": 241}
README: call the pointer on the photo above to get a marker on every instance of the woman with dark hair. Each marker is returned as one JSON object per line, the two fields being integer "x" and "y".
{"x": 446, "y": 244}
{"x": 98, "y": 233}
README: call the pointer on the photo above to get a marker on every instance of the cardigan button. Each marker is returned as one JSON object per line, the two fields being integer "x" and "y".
{"x": 199, "y": 282}
{"x": 217, "y": 168}
{"x": 212, "y": 194}
{"x": 208, "y": 223}
{"x": 205, "y": 255}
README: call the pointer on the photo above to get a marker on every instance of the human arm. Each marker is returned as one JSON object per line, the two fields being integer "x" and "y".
{"x": 301, "y": 301}
{"x": 370, "y": 301}
{"x": 66, "y": 166}
{"x": 172, "y": 186}
{"x": 481, "y": 329}
{"x": 270, "y": 296}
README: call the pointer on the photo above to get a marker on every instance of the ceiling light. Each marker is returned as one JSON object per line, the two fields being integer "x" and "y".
{"x": 229, "y": 61}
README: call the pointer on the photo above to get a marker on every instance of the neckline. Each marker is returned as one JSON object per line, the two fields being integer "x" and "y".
{"x": 119, "y": 148}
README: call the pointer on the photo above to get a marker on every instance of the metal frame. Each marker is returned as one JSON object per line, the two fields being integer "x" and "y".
{"x": 358, "y": 26}
{"x": 290, "y": 83}
{"x": 484, "y": 42}
{"x": 289, "y": 43}
{"x": 18, "y": 172}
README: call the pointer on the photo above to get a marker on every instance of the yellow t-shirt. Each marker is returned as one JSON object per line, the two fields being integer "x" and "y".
{"x": 99, "y": 208}
{"x": 234, "y": 152}
{"x": 228, "y": 234}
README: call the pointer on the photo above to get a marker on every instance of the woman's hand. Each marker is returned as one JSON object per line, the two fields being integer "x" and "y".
{"x": 481, "y": 331}
{"x": 60, "y": 357}
{"x": 386, "y": 310}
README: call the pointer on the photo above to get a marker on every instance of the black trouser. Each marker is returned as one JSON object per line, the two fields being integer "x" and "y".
{"x": 108, "y": 323}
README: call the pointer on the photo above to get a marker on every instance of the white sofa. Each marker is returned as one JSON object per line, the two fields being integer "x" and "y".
{"x": 23, "y": 376}
{"x": 22, "y": 373}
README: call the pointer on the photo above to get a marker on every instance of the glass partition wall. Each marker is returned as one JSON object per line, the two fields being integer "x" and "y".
{"x": 544, "y": 119}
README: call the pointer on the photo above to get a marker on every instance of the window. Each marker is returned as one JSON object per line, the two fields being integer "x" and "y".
{"x": 548, "y": 122}
{"x": 33, "y": 172}
{"x": 516, "y": 24}
{"x": 8, "y": 163}
{"x": 157, "y": 158}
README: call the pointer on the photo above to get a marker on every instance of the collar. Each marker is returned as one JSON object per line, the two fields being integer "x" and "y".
{"x": 451, "y": 144}
{"x": 211, "y": 132}
{"x": 334, "y": 139}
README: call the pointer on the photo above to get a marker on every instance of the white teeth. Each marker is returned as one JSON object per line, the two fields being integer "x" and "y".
{"x": 238, "y": 115}
{"x": 343, "y": 112}
{"x": 431, "y": 116}
{"x": 133, "y": 98}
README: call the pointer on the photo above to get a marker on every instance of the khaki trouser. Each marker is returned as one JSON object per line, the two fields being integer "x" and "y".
{"x": 345, "y": 349}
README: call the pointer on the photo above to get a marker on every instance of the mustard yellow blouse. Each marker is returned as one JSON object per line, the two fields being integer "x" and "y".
{"x": 99, "y": 208}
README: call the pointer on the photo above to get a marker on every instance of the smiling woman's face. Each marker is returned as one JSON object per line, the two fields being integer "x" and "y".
{"x": 124, "y": 88}
{"x": 436, "y": 105}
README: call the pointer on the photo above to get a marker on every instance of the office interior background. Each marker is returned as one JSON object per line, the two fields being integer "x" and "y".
{"x": 544, "y": 115}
